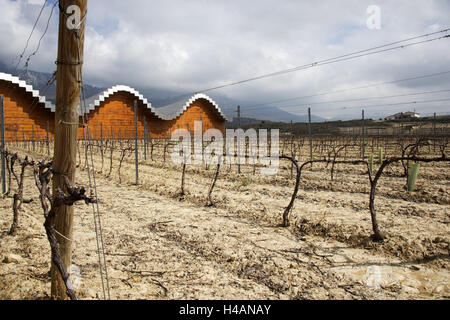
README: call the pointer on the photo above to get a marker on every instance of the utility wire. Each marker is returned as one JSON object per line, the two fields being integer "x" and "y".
{"x": 103, "y": 269}
{"x": 396, "y": 104}
{"x": 348, "y": 89}
{"x": 45, "y": 87}
{"x": 31, "y": 34}
{"x": 43, "y": 90}
{"x": 362, "y": 99}
{"x": 40, "y": 39}
{"x": 35, "y": 100}
{"x": 341, "y": 58}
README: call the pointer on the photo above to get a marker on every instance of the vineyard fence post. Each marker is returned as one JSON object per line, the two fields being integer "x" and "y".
{"x": 2, "y": 111}
{"x": 310, "y": 135}
{"x": 136, "y": 151}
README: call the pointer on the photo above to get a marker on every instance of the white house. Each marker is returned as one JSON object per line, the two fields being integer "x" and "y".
{"x": 403, "y": 115}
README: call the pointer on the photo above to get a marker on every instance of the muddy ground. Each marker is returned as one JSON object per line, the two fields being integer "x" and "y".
{"x": 160, "y": 245}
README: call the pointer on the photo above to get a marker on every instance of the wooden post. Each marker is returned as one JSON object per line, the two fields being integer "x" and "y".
{"x": 145, "y": 140}
{"x": 363, "y": 147}
{"x": 68, "y": 88}
{"x": 292, "y": 147}
{"x": 136, "y": 151}
{"x": 434, "y": 132}
{"x": 239, "y": 142}
{"x": 201, "y": 145}
{"x": 401, "y": 130}
{"x": 2, "y": 111}
{"x": 48, "y": 140}
{"x": 32, "y": 137}
{"x": 101, "y": 138}
{"x": 201, "y": 135}
{"x": 310, "y": 135}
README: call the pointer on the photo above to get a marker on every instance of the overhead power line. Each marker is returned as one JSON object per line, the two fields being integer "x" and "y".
{"x": 396, "y": 104}
{"x": 349, "y": 56}
{"x": 361, "y": 99}
{"x": 349, "y": 89}
{"x": 392, "y": 104}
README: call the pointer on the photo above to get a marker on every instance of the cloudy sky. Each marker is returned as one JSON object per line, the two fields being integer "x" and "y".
{"x": 188, "y": 46}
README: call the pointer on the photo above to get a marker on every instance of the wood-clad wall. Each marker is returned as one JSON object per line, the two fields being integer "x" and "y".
{"x": 115, "y": 115}
{"x": 24, "y": 114}
{"x": 201, "y": 110}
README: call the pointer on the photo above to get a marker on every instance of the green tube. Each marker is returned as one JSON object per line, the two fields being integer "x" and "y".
{"x": 380, "y": 155}
{"x": 210, "y": 162}
{"x": 371, "y": 163}
{"x": 412, "y": 176}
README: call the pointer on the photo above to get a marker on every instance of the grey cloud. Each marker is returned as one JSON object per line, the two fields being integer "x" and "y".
{"x": 191, "y": 45}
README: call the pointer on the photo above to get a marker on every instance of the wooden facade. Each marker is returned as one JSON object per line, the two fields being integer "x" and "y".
{"x": 26, "y": 113}
{"x": 112, "y": 114}
{"x": 115, "y": 116}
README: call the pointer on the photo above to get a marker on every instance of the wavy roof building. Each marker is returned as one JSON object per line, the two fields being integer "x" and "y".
{"x": 110, "y": 113}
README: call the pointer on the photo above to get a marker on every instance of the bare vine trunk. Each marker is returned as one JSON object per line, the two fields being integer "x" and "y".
{"x": 377, "y": 234}
{"x": 122, "y": 156}
{"x": 18, "y": 197}
{"x": 42, "y": 175}
{"x": 211, "y": 203}
{"x": 101, "y": 152}
{"x": 110, "y": 161}
{"x": 182, "y": 179}
{"x": 294, "y": 194}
